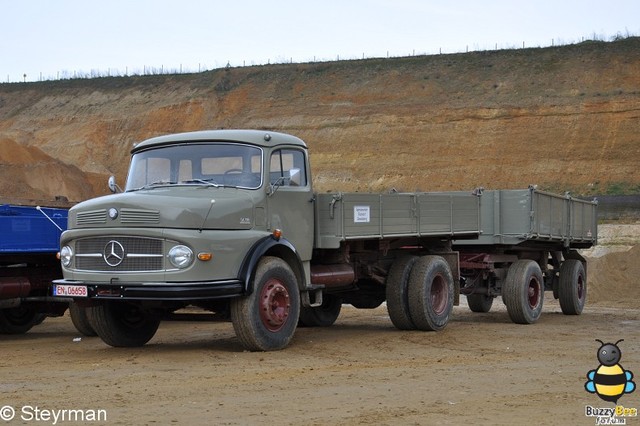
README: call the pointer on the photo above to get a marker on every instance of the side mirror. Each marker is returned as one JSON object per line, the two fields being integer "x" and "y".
{"x": 295, "y": 178}
{"x": 113, "y": 186}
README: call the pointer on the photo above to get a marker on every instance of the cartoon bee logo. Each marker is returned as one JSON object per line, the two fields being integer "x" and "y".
{"x": 610, "y": 381}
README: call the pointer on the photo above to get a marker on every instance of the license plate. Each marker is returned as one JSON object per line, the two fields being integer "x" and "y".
{"x": 70, "y": 290}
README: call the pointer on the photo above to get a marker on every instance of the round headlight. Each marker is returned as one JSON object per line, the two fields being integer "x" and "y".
{"x": 66, "y": 254}
{"x": 180, "y": 256}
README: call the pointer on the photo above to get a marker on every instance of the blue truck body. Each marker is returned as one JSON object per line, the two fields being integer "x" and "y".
{"x": 25, "y": 229}
{"x": 29, "y": 241}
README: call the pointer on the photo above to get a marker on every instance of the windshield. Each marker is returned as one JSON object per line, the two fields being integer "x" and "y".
{"x": 215, "y": 164}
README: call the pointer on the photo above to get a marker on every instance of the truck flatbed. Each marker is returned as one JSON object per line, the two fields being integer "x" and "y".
{"x": 357, "y": 216}
{"x": 530, "y": 217}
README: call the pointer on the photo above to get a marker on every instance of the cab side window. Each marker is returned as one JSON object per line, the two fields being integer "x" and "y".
{"x": 288, "y": 168}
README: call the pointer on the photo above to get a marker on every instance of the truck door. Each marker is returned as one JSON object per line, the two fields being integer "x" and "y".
{"x": 290, "y": 201}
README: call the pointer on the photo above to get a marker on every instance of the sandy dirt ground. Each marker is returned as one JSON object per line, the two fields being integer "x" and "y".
{"x": 481, "y": 369}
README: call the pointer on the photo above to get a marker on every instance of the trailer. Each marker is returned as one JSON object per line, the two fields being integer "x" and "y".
{"x": 227, "y": 221}
{"x": 529, "y": 244}
{"x": 29, "y": 241}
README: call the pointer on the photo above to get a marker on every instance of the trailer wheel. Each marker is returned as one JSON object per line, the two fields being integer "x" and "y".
{"x": 430, "y": 293}
{"x": 266, "y": 319}
{"x": 479, "y": 302}
{"x": 80, "y": 320}
{"x": 572, "y": 289}
{"x": 397, "y": 289}
{"x": 523, "y": 292}
{"x": 322, "y": 316}
{"x": 122, "y": 324}
{"x": 19, "y": 320}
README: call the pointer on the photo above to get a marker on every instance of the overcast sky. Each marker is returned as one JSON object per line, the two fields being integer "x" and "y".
{"x": 47, "y": 39}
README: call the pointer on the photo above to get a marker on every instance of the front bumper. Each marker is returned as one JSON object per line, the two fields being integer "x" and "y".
{"x": 159, "y": 291}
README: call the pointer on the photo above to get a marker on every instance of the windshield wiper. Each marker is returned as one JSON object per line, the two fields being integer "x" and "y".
{"x": 155, "y": 184}
{"x": 207, "y": 182}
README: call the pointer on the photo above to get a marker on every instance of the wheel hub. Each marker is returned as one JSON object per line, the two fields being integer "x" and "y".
{"x": 274, "y": 305}
{"x": 439, "y": 296}
{"x": 534, "y": 293}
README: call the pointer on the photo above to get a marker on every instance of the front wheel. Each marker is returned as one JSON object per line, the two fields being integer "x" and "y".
{"x": 122, "y": 324}
{"x": 19, "y": 320}
{"x": 266, "y": 319}
{"x": 430, "y": 293}
{"x": 572, "y": 288}
{"x": 523, "y": 292}
{"x": 80, "y": 320}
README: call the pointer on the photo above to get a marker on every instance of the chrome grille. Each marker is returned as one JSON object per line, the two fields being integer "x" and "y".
{"x": 91, "y": 217}
{"x": 139, "y": 254}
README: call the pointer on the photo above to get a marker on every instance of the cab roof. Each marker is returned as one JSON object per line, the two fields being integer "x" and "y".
{"x": 263, "y": 138}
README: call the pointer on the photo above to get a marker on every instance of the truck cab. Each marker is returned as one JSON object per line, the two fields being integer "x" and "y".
{"x": 198, "y": 212}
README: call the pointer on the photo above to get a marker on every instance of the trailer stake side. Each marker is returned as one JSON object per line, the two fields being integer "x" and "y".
{"x": 529, "y": 244}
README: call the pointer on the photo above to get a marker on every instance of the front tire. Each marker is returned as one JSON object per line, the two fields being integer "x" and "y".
{"x": 80, "y": 320}
{"x": 122, "y": 324}
{"x": 430, "y": 293}
{"x": 572, "y": 288}
{"x": 523, "y": 292}
{"x": 266, "y": 319}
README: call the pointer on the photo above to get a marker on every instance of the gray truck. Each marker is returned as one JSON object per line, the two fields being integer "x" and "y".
{"x": 227, "y": 221}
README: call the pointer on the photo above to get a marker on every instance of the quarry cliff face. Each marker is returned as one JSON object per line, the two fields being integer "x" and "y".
{"x": 564, "y": 118}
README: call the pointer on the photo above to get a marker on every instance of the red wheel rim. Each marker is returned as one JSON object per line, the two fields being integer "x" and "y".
{"x": 439, "y": 295}
{"x": 534, "y": 293}
{"x": 274, "y": 305}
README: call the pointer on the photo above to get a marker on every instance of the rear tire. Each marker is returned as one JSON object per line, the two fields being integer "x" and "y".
{"x": 266, "y": 319}
{"x": 523, "y": 292}
{"x": 122, "y": 324}
{"x": 397, "y": 289}
{"x": 19, "y": 320}
{"x": 479, "y": 302}
{"x": 572, "y": 289}
{"x": 430, "y": 293}
{"x": 80, "y": 320}
{"x": 322, "y": 316}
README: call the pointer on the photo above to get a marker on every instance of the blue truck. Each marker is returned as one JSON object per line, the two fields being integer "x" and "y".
{"x": 29, "y": 241}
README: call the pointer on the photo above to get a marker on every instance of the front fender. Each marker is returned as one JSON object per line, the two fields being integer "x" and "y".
{"x": 270, "y": 246}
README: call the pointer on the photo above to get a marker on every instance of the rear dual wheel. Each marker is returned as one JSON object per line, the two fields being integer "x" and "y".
{"x": 397, "y": 292}
{"x": 321, "y": 316}
{"x": 420, "y": 293}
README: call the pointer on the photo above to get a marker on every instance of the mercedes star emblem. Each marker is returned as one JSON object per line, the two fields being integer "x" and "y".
{"x": 113, "y": 253}
{"x": 113, "y": 213}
